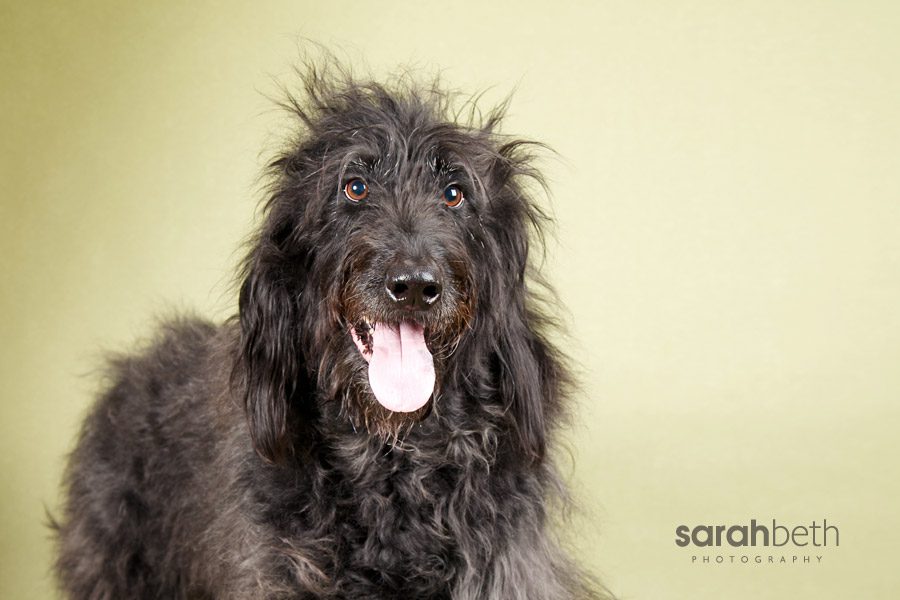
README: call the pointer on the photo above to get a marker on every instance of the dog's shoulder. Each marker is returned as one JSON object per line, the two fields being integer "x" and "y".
{"x": 160, "y": 375}
{"x": 172, "y": 355}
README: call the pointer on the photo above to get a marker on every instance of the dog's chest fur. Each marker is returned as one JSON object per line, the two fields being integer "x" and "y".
{"x": 402, "y": 519}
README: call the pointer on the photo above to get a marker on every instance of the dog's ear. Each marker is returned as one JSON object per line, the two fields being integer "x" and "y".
{"x": 530, "y": 376}
{"x": 528, "y": 386}
{"x": 269, "y": 362}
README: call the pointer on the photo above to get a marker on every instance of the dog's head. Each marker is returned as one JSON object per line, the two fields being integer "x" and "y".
{"x": 390, "y": 268}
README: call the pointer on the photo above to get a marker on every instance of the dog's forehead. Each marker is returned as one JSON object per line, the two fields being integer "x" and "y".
{"x": 429, "y": 145}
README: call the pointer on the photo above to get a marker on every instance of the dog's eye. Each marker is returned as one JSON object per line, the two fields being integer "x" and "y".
{"x": 356, "y": 190}
{"x": 453, "y": 196}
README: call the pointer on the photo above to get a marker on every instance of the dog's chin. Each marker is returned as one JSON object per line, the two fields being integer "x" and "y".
{"x": 368, "y": 416}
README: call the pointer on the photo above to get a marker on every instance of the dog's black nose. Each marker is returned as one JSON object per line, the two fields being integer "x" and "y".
{"x": 413, "y": 288}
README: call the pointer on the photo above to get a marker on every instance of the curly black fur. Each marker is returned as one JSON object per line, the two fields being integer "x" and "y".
{"x": 251, "y": 460}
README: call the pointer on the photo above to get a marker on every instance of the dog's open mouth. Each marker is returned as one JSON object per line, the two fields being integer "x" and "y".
{"x": 401, "y": 368}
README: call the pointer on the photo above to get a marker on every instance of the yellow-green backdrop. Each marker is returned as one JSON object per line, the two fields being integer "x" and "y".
{"x": 728, "y": 198}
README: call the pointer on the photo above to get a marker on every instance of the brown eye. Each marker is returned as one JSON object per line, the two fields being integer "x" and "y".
{"x": 453, "y": 196}
{"x": 356, "y": 190}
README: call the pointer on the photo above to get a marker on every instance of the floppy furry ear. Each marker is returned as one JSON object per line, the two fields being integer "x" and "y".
{"x": 531, "y": 376}
{"x": 529, "y": 385}
{"x": 269, "y": 363}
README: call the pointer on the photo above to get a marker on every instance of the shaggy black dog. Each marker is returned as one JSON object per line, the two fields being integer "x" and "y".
{"x": 375, "y": 422}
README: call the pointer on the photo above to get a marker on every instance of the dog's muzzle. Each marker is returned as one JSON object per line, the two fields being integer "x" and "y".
{"x": 401, "y": 367}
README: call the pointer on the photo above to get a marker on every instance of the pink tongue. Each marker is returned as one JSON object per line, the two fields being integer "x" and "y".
{"x": 401, "y": 370}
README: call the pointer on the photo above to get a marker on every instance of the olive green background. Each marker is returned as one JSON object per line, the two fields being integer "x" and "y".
{"x": 728, "y": 204}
